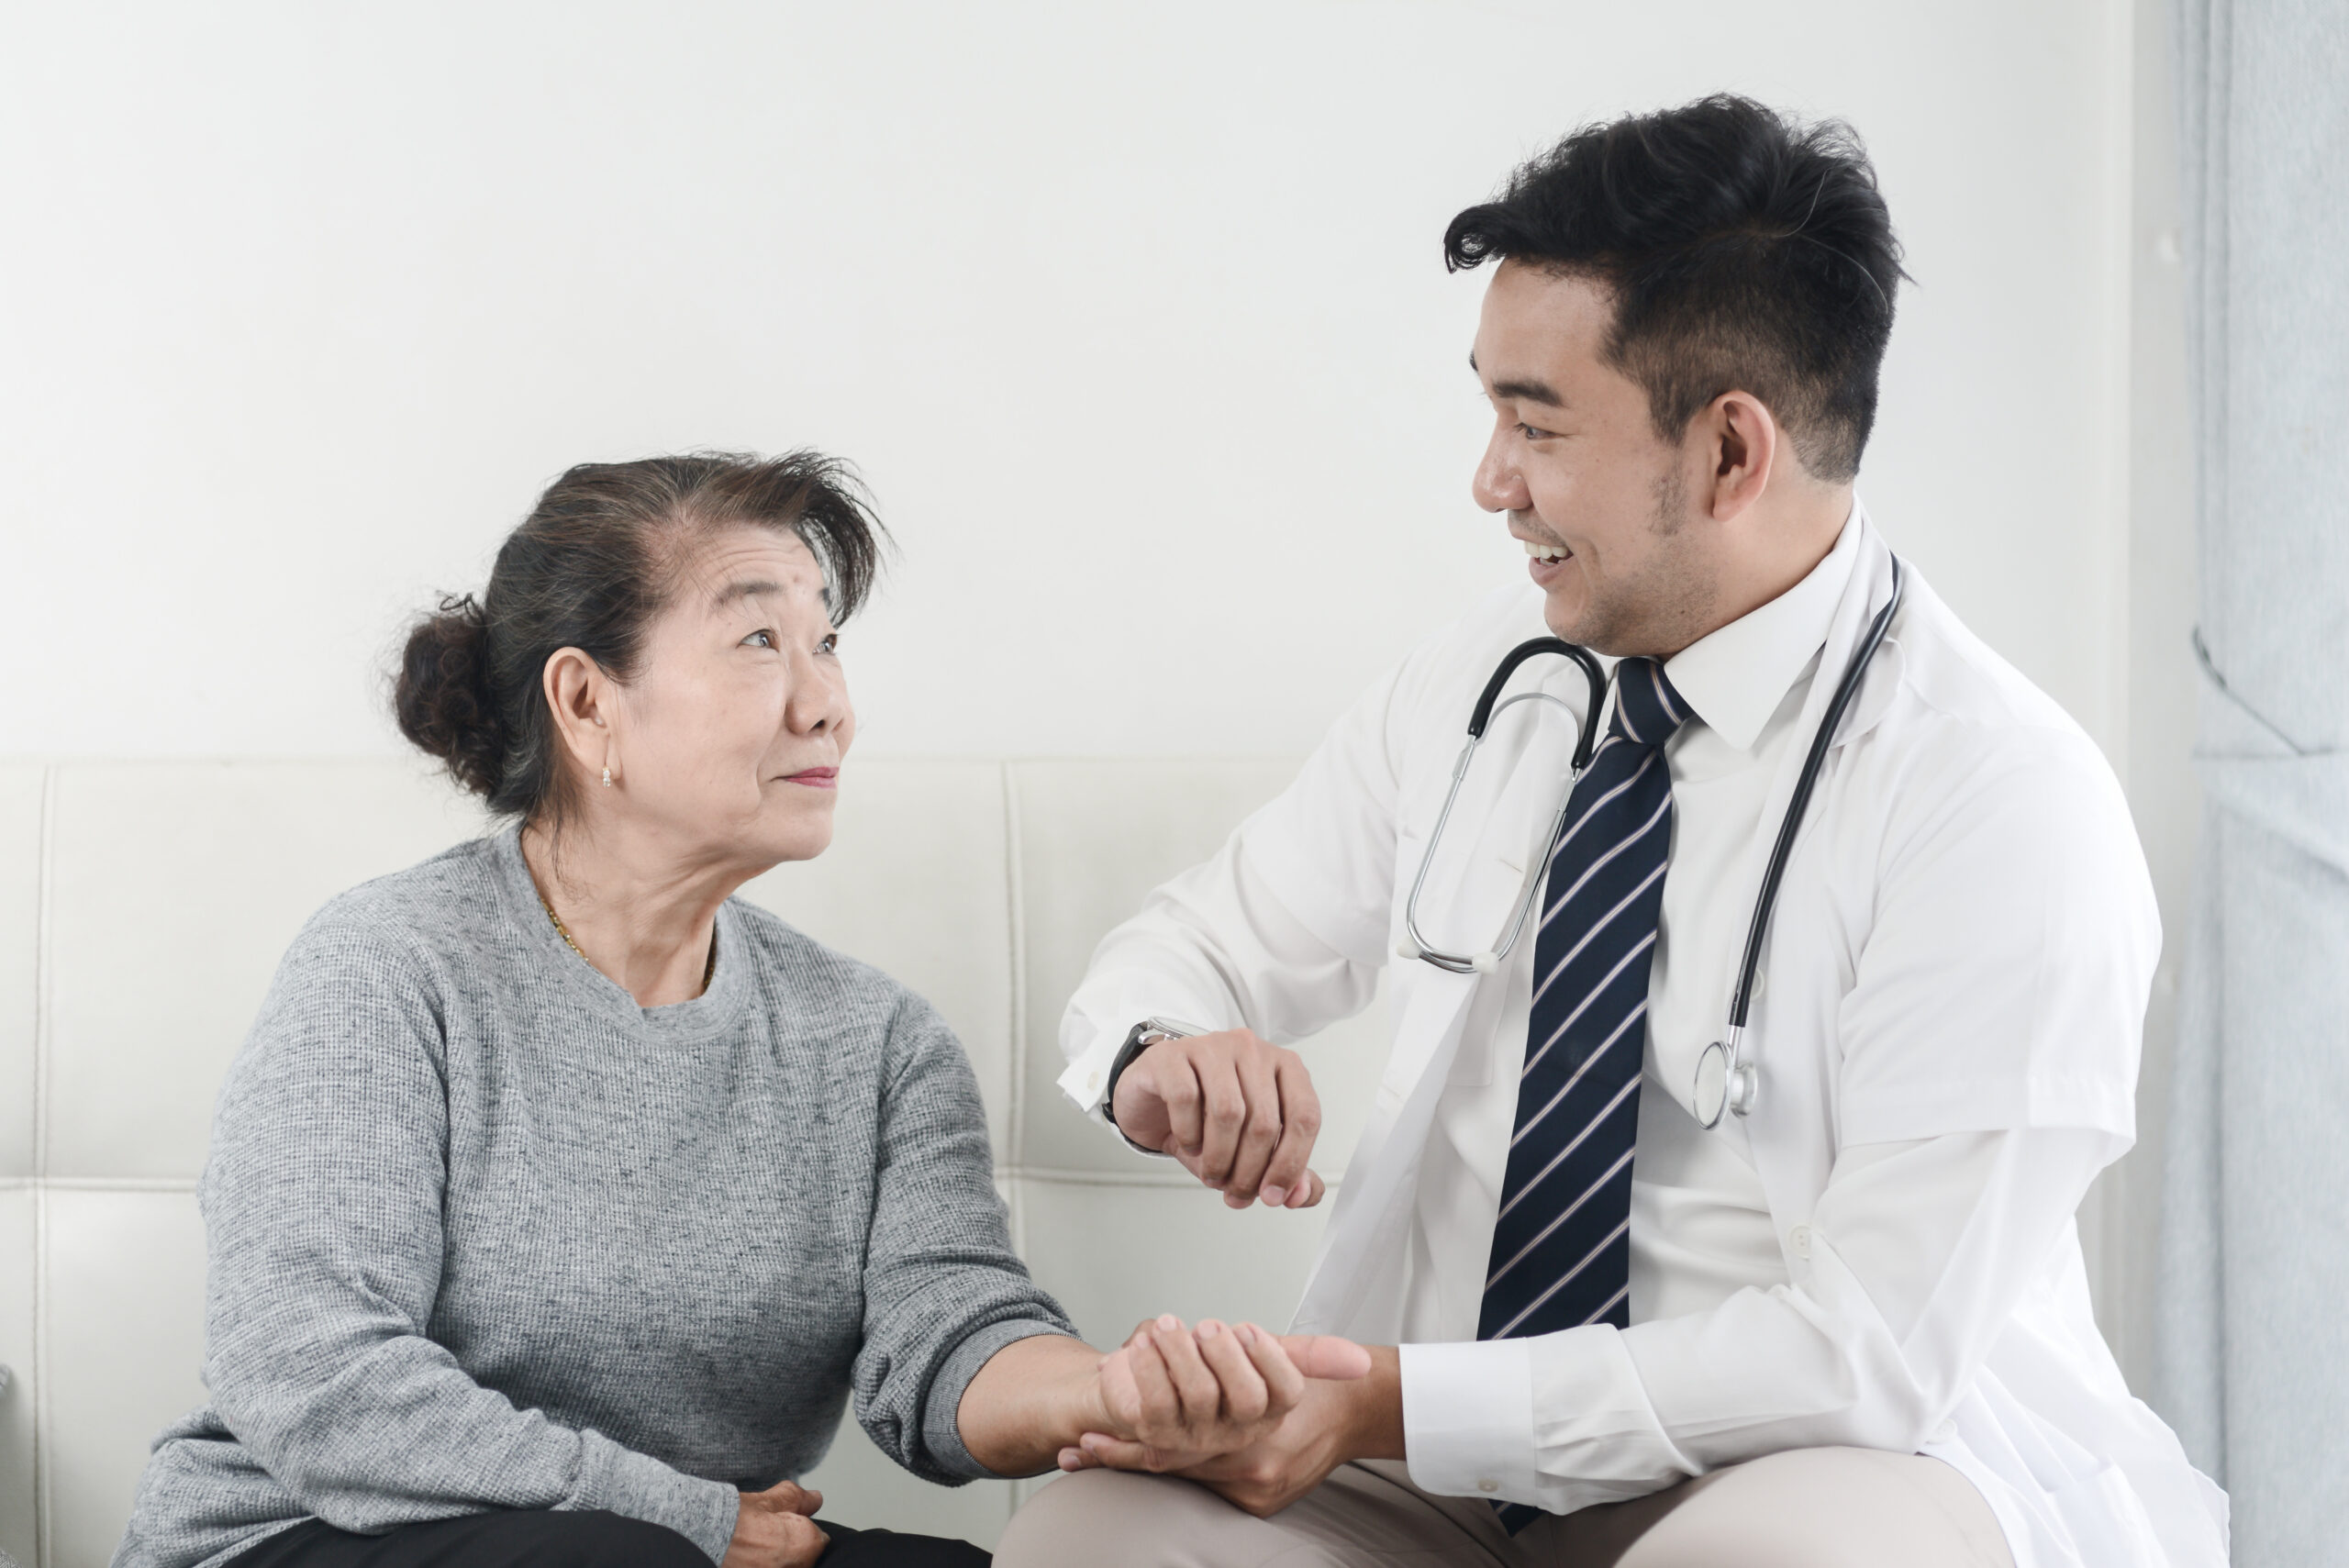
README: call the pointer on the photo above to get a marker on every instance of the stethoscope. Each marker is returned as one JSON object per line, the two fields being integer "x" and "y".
{"x": 1724, "y": 1079}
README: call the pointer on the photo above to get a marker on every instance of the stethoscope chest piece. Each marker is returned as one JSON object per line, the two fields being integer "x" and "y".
{"x": 1723, "y": 1083}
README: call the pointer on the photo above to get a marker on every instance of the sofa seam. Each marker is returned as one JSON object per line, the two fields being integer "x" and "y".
{"x": 44, "y": 993}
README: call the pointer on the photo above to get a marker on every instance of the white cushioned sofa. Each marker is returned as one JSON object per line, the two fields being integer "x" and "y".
{"x": 143, "y": 906}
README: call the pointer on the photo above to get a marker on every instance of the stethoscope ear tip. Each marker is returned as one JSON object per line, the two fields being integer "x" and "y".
{"x": 1407, "y": 950}
{"x": 1485, "y": 962}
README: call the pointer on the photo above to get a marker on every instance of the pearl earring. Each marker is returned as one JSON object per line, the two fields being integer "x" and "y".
{"x": 608, "y": 778}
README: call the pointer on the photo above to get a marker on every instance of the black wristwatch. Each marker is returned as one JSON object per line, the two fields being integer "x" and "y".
{"x": 1138, "y": 1039}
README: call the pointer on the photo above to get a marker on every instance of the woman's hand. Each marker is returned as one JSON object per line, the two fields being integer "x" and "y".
{"x": 775, "y": 1528}
{"x": 1177, "y": 1396}
{"x": 1334, "y": 1423}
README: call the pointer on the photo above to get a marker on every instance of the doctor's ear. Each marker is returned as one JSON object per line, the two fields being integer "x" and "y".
{"x": 1744, "y": 444}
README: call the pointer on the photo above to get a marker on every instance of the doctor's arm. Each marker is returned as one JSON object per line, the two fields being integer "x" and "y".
{"x": 1281, "y": 934}
{"x": 1914, "y": 1259}
{"x": 1981, "y": 1070}
{"x": 1903, "y": 1278}
{"x": 1985, "y": 1061}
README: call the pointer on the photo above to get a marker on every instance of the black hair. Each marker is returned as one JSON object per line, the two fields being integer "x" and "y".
{"x": 595, "y": 560}
{"x": 1744, "y": 250}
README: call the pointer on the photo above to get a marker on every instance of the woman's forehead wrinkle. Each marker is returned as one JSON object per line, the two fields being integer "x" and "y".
{"x": 730, "y": 569}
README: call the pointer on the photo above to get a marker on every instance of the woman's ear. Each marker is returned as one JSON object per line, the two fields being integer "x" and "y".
{"x": 581, "y": 698}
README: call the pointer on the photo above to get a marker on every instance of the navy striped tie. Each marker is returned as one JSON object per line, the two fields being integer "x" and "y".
{"x": 1562, "y": 1251}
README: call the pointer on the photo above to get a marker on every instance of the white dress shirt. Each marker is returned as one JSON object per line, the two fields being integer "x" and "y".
{"x": 1701, "y": 1229}
{"x": 1951, "y": 990}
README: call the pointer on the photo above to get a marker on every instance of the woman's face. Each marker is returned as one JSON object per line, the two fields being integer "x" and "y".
{"x": 728, "y": 743}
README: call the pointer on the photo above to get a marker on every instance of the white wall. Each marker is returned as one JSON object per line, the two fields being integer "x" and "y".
{"x": 1132, "y": 314}
{"x": 2163, "y": 682}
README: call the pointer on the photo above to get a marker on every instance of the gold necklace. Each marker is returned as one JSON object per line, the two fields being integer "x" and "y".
{"x": 708, "y": 971}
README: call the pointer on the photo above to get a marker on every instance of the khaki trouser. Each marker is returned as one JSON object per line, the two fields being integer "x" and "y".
{"x": 1829, "y": 1508}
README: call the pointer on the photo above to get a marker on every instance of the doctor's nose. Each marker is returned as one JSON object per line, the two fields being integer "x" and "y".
{"x": 1497, "y": 485}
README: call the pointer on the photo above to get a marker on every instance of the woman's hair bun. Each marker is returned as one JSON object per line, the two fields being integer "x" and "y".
{"x": 445, "y": 699}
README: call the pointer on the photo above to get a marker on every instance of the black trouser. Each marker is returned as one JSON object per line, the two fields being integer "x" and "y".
{"x": 532, "y": 1538}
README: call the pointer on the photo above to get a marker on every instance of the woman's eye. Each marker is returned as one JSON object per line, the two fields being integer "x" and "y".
{"x": 831, "y": 644}
{"x": 759, "y": 639}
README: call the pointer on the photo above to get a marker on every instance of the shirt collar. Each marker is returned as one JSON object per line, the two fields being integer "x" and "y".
{"x": 1735, "y": 678}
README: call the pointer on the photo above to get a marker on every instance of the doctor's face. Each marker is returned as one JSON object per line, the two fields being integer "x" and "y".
{"x": 1600, "y": 503}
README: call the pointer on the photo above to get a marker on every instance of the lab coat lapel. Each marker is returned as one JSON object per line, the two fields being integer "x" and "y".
{"x": 1369, "y": 1229}
{"x": 1788, "y": 1132}
{"x": 1506, "y": 803}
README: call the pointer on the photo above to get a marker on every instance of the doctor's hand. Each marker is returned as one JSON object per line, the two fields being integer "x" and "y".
{"x": 1238, "y": 1112}
{"x": 1178, "y": 1396}
{"x": 1332, "y": 1423}
{"x": 777, "y": 1529}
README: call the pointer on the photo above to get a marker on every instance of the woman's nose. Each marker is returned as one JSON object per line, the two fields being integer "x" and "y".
{"x": 818, "y": 700}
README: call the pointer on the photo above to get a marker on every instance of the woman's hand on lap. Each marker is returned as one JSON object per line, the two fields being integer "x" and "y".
{"x": 775, "y": 1528}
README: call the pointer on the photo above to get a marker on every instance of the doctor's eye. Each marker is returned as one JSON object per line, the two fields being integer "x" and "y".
{"x": 1535, "y": 432}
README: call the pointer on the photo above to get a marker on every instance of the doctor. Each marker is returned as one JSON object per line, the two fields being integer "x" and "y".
{"x": 1851, "y": 1327}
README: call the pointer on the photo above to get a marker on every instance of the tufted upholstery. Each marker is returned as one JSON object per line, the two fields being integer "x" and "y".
{"x": 143, "y": 906}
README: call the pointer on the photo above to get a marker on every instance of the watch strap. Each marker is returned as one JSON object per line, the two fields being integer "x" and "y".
{"x": 1138, "y": 1039}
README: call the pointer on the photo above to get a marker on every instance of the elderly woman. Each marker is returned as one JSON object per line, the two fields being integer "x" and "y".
{"x": 558, "y": 1201}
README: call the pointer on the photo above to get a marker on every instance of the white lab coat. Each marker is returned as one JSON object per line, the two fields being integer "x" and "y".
{"x": 1946, "y": 754}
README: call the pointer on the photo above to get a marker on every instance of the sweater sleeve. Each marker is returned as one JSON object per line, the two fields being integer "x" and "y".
{"x": 322, "y": 1202}
{"x": 943, "y": 1291}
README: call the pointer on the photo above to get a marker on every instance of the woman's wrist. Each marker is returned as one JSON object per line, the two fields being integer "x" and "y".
{"x": 1077, "y": 1407}
{"x": 1032, "y": 1400}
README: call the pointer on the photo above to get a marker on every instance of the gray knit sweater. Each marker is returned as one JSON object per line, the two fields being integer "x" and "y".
{"x": 486, "y": 1234}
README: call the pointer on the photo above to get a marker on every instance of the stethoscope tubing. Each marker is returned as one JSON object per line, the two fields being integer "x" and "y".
{"x": 1737, "y": 1080}
{"x": 1815, "y": 761}
{"x": 1479, "y": 717}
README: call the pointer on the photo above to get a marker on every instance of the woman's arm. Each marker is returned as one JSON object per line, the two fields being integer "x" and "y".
{"x": 322, "y": 1203}
{"x": 968, "y": 1369}
{"x": 1175, "y": 1394}
{"x": 944, "y": 1292}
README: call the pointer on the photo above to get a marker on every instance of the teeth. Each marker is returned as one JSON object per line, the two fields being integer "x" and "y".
{"x": 1542, "y": 551}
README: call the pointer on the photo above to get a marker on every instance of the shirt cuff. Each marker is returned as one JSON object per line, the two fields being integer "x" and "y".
{"x": 638, "y": 1487}
{"x": 1087, "y": 1077}
{"x": 1595, "y": 1434}
{"x": 1468, "y": 1419}
{"x": 1087, "y": 1082}
{"x": 942, "y": 1427}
